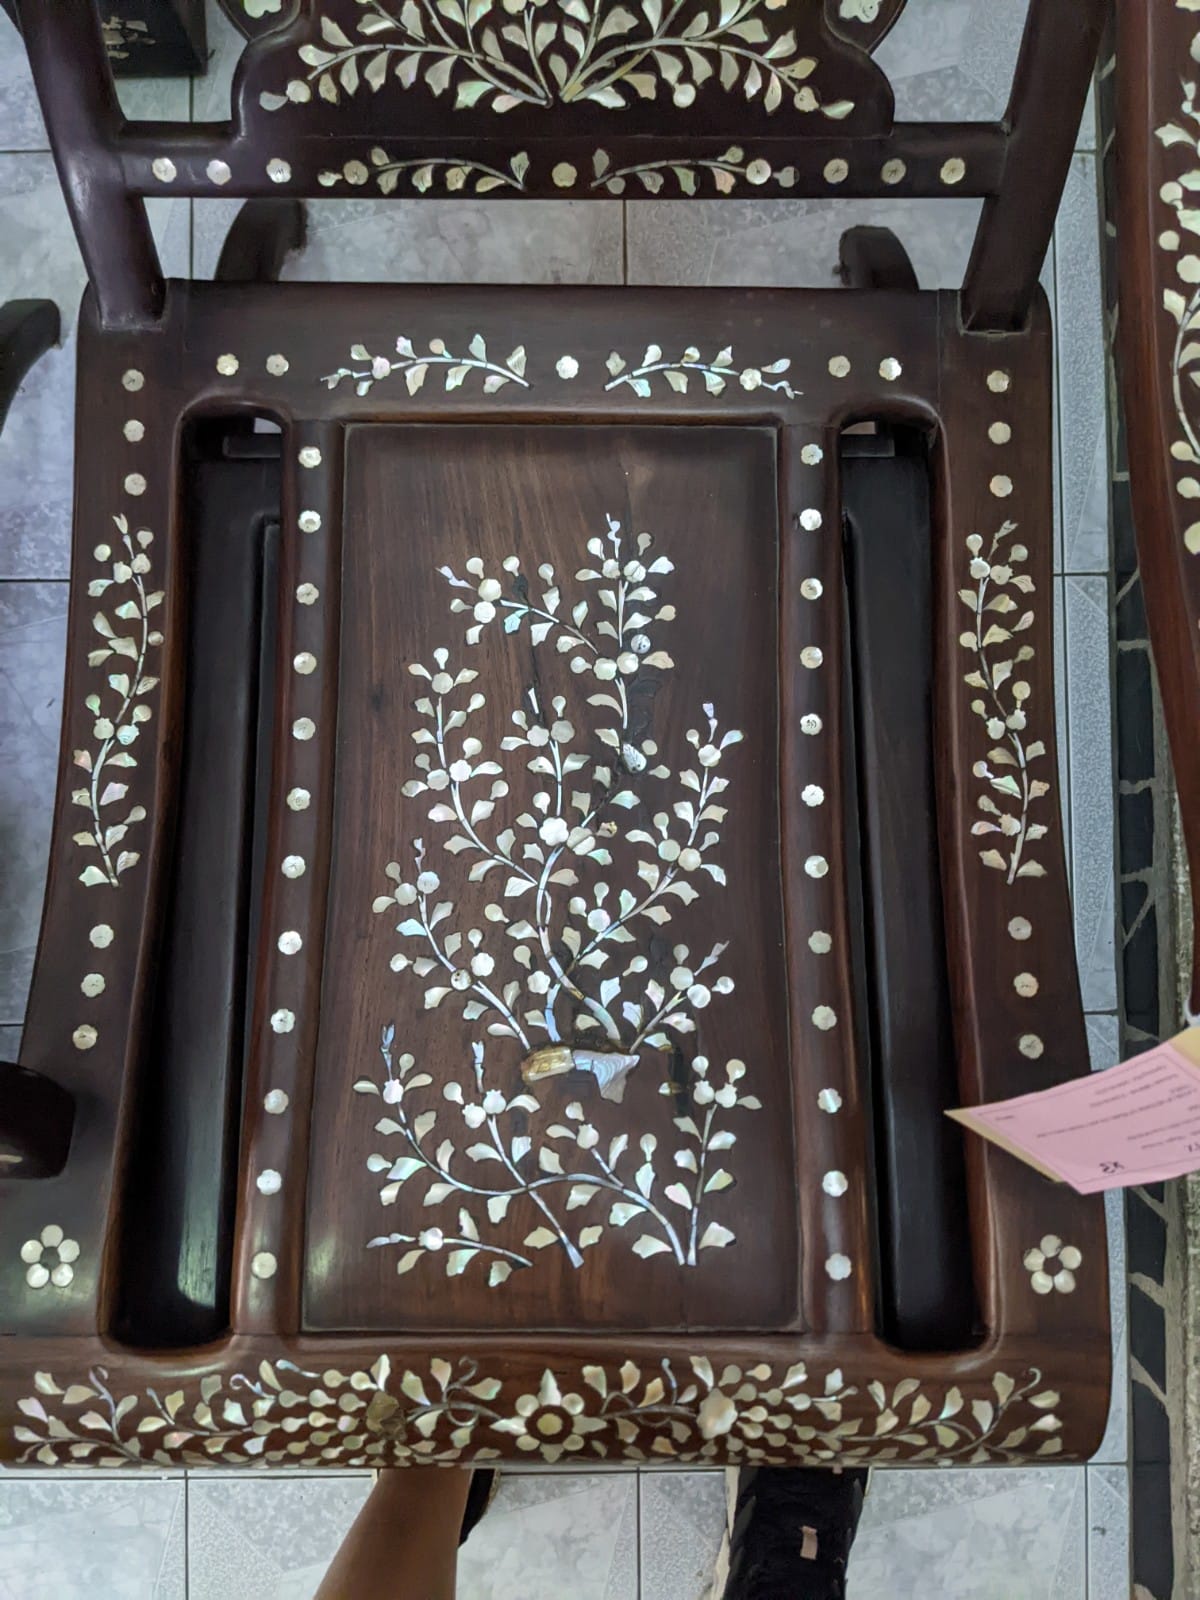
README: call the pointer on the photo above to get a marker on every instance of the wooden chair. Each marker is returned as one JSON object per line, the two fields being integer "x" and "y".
{"x": 557, "y": 791}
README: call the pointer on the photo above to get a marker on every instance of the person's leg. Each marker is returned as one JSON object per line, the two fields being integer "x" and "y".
{"x": 789, "y": 1534}
{"x": 404, "y": 1542}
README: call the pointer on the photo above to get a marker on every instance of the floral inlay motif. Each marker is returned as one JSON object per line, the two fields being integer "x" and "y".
{"x": 1052, "y": 1266}
{"x": 457, "y": 175}
{"x": 120, "y": 708}
{"x": 415, "y": 367}
{"x": 443, "y": 1411}
{"x": 723, "y": 171}
{"x": 1000, "y": 590}
{"x": 715, "y": 374}
{"x": 533, "y": 54}
{"x": 50, "y": 1258}
{"x": 121, "y": 35}
{"x": 1181, "y": 243}
{"x": 561, "y": 969}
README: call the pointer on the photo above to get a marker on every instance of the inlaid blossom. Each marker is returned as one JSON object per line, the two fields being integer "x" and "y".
{"x": 50, "y": 1258}
{"x": 1052, "y": 1266}
{"x": 550, "y": 1421}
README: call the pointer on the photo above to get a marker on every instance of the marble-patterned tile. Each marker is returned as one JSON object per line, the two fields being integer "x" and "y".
{"x": 1060, "y": 715}
{"x": 682, "y": 1524}
{"x": 1082, "y": 412}
{"x": 1104, "y": 1039}
{"x": 87, "y": 1537}
{"x": 1090, "y": 733}
{"x": 10, "y": 1041}
{"x": 268, "y": 1536}
{"x": 1114, "y": 1446}
{"x": 211, "y": 93}
{"x": 1108, "y": 1533}
{"x": 979, "y": 1534}
{"x": 21, "y": 125}
{"x": 550, "y": 1535}
{"x": 33, "y": 620}
{"x": 789, "y": 242}
{"x": 449, "y": 241}
{"x": 953, "y": 60}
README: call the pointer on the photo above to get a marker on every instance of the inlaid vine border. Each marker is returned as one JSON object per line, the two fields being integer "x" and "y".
{"x": 440, "y": 1411}
{"x": 1180, "y": 243}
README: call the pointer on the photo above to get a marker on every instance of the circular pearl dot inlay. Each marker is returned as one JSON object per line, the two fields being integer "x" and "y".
{"x": 816, "y": 866}
{"x": 164, "y": 169}
{"x": 1001, "y": 486}
{"x": 998, "y": 381}
{"x": 275, "y": 1102}
{"x": 837, "y": 170}
{"x": 1030, "y": 1045}
{"x": 101, "y": 936}
{"x": 132, "y": 380}
{"x": 820, "y": 943}
{"x": 135, "y": 484}
{"x": 812, "y": 589}
{"x": 838, "y": 1266}
{"x": 811, "y": 519}
{"x": 810, "y": 723}
{"x": 829, "y": 1101}
{"x": 298, "y": 800}
{"x": 564, "y": 175}
{"x": 227, "y": 365}
{"x": 277, "y": 365}
{"x": 134, "y": 431}
{"x": 292, "y": 866}
{"x": 954, "y": 170}
{"x": 310, "y": 521}
{"x": 310, "y": 456}
{"x": 825, "y": 1017}
{"x": 278, "y": 170}
{"x": 218, "y": 172}
{"x": 283, "y": 1021}
{"x": 264, "y": 1265}
{"x": 892, "y": 171}
{"x": 999, "y": 433}
{"x": 303, "y": 728}
{"x": 1020, "y": 928}
{"x": 839, "y": 367}
{"x": 812, "y": 455}
{"x": 84, "y": 1037}
{"x": 268, "y": 1182}
{"x": 290, "y": 942}
{"x": 1026, "y": 985}
{"x": 305, "y": 662}
{"x": 835, "y": 1184}
{"x": 890, "y": 369}
{"x": 812, "y": 794}
{"x": 811, "y": 656}
{"x": 308, "y": 594}
{"x": 93, "y": 984}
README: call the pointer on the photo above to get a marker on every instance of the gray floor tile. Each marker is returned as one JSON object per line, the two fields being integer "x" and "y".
{"x": 32, "y": 642}
{"x": 1061, "y": 720}
{"x": 1108, "y": 1533}
{"x": 1104, "y": 1044}
{"x": 550, "y": 1535}
{"x": 952, "y": 62}
{"x": 1081, "y": 369}
{"x": 1114, "y": 1447}
{"x": 1090, "y": 728}
{"x": 682, "y": 1523}
{"x": 79, "y": 1538}
{"x": 983, "y": 1534}
{"x": 268, "y": 1537}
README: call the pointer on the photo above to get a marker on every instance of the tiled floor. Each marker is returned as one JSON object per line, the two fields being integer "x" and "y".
{"x": 982, "y": 1535}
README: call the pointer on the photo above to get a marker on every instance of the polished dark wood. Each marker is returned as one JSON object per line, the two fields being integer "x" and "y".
{"x": 334, "y": 99}
{"x": 385, "y": 479}
{"x": 28, "y": 328}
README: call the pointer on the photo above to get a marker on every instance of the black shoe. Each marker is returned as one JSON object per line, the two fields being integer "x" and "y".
{"x": 479, "y": 1498}
{"x": 790, "y": 1532}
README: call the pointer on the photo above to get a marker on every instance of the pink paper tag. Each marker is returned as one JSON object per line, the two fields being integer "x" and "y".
{"x": 1132, "y": 1124}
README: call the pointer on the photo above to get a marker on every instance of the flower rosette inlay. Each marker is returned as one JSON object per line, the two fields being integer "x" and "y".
{"x": 998, "y": 601}
{"x": 1052, "y": 1266}
{"x": 443, "y": 1411}
{"x": 601, "y": 856}
{"x": 50, "y": 1258}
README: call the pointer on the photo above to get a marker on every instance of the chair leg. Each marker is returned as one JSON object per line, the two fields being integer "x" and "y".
{"x": 36, "y": 1118}
{"x": 28, "y": 328}
{"x": 873, "y": 258}
{"x": 260, "y": 239}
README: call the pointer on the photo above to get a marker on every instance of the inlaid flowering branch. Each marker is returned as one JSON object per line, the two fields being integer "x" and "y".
{"x": 715, "y": 374}
{"x": 530, "y": 54}
{"x": 416, "y": 367}
{"x": 1002, "y": 705}
{"x": 440, "y": 1411}
{"x": 1179, "y": 194}
{"x": 458, "y": 175}
{"x": 559, "y": 968}
{"x": 724, "y": 171}
{"x": 120, "y": 707}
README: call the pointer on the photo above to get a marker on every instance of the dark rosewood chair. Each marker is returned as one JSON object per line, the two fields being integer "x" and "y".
{"x": 150, "y": 38}
{"x": 557, "y": 791}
